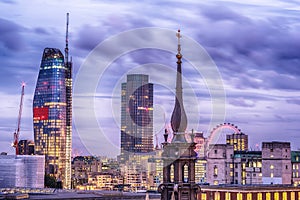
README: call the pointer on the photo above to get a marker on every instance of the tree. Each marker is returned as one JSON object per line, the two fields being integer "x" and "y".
{"x": 50, "y": 181}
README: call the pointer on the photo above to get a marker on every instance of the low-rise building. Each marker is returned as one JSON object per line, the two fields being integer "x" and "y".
{"x": 82, "y": 167}
{"x": 276, "y": 163}
{"x": 295, "y": 158}
{"x": 22, "y": 171}
{"x": 219, "y": 158}
{"x": 272, "y": 165}
{"x": 248, "y": 192}
{"x": 105, "y": 180}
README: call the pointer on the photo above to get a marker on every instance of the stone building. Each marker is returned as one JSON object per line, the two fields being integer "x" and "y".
{"x": 219, "y": 164}
{"x": 295, "y": 159}
{"x": 247, "y": 167}
{"x": 276, "y": 163}
{"x": 272, "y": 165}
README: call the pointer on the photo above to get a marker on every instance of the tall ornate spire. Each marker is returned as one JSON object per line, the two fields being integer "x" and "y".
{"x": 179, "y": 119}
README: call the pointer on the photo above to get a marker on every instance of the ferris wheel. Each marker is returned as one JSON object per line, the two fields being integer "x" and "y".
{"x": 218, "y": 134}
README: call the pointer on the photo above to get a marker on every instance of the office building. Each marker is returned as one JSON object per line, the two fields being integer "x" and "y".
{"x": 22, "y": 171}
{"x": 238, "y": 140}
{"x": 136, "y": 116}
{"x": 52, "y": 115}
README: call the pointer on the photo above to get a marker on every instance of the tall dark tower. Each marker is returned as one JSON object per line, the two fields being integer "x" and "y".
{"x": 136, "y": 116}
{"x": 179, "y": 156}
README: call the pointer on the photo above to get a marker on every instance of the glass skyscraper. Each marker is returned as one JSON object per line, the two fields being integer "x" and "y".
{"x": 52, "y": 115}
{"x": 136, "y": 116}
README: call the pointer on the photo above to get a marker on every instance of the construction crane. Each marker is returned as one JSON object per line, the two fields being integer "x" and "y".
{"x": 17, "y": 131}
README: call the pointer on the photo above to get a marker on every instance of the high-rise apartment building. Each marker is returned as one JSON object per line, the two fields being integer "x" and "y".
{"x": 52, "y": 108}
{"x": 136, "y": 116}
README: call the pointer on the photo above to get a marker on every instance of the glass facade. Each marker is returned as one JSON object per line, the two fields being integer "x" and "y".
{"x": 136, "y": 116}
{"x": 52, "y": 108}
{"x": 22, "y": 171}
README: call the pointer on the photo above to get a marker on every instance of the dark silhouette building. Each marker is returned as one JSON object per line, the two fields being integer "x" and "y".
{"x": 136, "y": 116}
{"x": 179, "y": 156}
{"x": 26, "y": 147}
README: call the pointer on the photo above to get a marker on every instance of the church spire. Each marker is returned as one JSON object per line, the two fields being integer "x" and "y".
{"x": 179, "y": 119}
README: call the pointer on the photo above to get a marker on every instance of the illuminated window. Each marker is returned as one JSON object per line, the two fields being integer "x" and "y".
{"x": 172, "y": 173}
{"x": 203, "y": 196}
{"x": 272, "y": 167}
{"x": 249, "y": 196}
{"x": 268, "y": 196}
{"x": 239, "y": 196}
{"x": 271, "y": 175}
{"x": 293, "y": 196}
{"x": 276, "y": 196}
{"x": 217, "y": 195}
{"x": 216, "y": 182}
{"x": 227, "y": 196}
{"x": 259, "y": 196}
{"x": 215, "y": 170}
{"x": 258, "y": 164}
{"x": 284, "y": 196}
{"x": 185, "y": 173}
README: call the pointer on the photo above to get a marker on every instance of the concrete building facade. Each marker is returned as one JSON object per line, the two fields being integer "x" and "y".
{"x": 276, "y": 162}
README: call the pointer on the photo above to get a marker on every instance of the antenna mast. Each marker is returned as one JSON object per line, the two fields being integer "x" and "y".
{"x": 67, "y": 41}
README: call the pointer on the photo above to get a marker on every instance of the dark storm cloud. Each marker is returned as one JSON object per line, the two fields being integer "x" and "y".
{"x": 242, "y": 44}
{"x": 10, "y": 35}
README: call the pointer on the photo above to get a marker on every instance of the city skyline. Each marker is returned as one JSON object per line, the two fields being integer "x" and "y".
{"x": 256, "y": 54}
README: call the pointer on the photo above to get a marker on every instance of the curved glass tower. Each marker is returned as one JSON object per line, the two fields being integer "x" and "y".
{"x": 52, "y": 115}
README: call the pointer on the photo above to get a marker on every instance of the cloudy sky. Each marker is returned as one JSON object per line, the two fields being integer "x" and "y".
{"x": 252, "y": 47}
